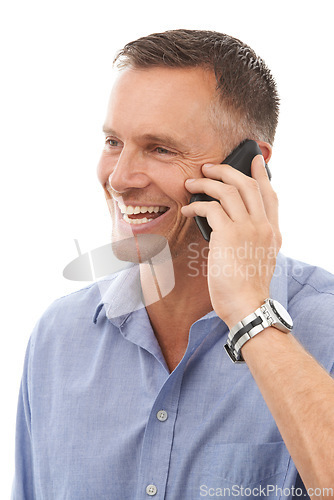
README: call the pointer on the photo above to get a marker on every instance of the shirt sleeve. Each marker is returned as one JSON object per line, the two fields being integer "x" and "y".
{"x": 23, "y": 484}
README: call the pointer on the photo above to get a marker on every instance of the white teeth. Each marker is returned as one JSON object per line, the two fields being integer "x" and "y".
{"x": 129, "y": 209}
{"x": 136, "y": 221}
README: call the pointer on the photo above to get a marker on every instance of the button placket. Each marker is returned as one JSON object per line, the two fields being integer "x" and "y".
{"x": 159, "y": 437}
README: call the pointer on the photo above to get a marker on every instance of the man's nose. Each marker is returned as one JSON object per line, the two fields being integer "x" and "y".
{"x": 129, "y": 172}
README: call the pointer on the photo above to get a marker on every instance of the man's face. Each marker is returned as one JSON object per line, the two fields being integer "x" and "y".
{"x": 157, "y": 134}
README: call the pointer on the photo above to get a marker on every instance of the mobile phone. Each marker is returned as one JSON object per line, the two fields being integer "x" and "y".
{"x": 241, "y": 159}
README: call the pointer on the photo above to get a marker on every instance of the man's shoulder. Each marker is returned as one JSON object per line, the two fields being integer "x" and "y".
{"x": 71, "y": 310}
{"x": 311, "y": 305}
{"x": 307, "y": 280}
{"x": 83, "y": 300}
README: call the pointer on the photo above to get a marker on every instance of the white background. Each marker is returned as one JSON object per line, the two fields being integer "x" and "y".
{"x": 56, "y": 78}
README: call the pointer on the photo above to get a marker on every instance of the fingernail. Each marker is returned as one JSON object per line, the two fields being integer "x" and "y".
{"x": 190, "y": 180}
{"x": 208, "y": 165}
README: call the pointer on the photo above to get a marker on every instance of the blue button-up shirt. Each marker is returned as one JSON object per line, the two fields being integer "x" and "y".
{"x": 101, "y": 417}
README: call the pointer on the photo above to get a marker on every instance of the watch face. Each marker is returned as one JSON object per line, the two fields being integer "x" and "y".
{"x": 282, "y": 314}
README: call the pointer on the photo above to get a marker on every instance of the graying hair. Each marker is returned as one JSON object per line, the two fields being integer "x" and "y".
{"x": 246, "y": 104}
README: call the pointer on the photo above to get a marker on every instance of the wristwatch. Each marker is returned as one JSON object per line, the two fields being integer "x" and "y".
{"x": 271, "y": 313}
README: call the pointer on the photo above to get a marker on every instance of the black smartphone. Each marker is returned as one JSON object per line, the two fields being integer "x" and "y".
{"x": 241, "y": 159}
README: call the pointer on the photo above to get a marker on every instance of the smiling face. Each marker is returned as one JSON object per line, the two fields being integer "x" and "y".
{"x": 157, "y": 134}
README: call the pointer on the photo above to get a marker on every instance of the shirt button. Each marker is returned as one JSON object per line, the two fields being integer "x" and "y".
{"x": 162, "y": 415}
{"x": 151, "y": 490}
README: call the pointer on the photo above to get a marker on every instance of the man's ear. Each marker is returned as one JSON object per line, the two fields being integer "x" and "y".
{"x": 266, "y": 150}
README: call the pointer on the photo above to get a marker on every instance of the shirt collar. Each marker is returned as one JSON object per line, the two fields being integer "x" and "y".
{"x": 123, "y": 295}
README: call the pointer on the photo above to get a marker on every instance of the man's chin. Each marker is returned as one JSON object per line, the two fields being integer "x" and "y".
{"x": 144, "y": 247}
{"x": 140, "y": 248}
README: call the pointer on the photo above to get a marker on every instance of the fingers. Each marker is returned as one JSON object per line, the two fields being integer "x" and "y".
{"x": 268, "y": 195}
{"x": 247, "y": 187}
{"x": 228, "y": 196}
{"x": 240, "y": 196}
{"x": 212, "y": 210}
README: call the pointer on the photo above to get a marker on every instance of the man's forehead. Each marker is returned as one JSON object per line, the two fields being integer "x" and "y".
{"x": 166, "y": 95}
{"x": 164, "y": 80}
{"x": 170, "y": 106}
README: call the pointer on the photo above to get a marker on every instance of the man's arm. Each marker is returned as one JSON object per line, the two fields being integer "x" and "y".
{"x": 298, "y": 391}
{"x": 23, "y": 484}
{"x": 300, "y": 396}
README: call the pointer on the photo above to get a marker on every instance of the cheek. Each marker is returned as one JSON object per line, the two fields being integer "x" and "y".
{"x": 182, "y": 172}
{"x": 172, "y": 184}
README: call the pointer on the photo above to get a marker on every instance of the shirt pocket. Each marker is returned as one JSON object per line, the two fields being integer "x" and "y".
{"x": 245, "y": 465}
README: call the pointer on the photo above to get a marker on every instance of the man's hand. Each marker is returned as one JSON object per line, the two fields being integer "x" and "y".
{"x": 245, "y": 236}
{"x": 298, "y": 391}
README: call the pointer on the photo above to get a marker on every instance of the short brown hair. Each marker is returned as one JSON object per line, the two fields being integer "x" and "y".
{"x": 246, "y": 89}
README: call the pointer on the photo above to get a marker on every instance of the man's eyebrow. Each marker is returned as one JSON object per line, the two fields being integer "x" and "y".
{"x": 165, "y": 139}
{"x": 107, "y": 130}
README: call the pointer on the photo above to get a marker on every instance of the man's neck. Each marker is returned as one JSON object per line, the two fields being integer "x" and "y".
{"x": 173, "y": 314}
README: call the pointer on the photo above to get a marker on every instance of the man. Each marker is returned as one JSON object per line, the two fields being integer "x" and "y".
{"x": 125, "y": 402}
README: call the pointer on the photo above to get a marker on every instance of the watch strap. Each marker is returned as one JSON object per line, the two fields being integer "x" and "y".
{"x": 266, "y": 315}
{"x": 245, "y": 329}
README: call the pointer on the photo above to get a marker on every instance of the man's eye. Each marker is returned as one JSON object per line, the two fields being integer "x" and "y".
{"x": 111, "y": 142}
{"x": 163, "y": 151}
